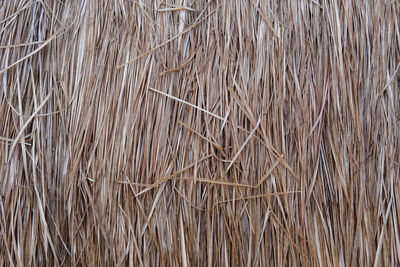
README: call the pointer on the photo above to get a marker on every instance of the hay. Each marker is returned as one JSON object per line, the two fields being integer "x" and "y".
{"x": 199, "y": 133}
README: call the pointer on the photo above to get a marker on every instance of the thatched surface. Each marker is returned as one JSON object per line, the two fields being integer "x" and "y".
{"x": 199, "y": 133}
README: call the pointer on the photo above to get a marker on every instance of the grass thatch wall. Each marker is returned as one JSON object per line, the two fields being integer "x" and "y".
{"x": 199, "y": 133}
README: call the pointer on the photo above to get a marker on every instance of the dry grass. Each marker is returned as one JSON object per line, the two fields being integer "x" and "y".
{"x": 199, "y": 133}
